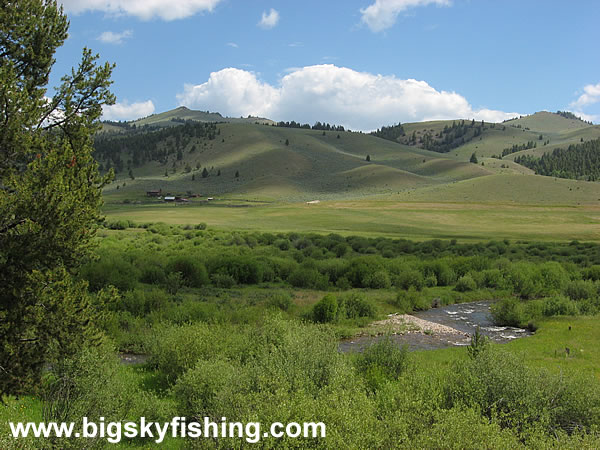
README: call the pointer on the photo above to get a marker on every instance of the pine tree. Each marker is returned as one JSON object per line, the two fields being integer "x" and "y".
{"x": 50, "y": 193}
{"x": 473, "y": 158}
{"x": 237, "y": 174}
{"x": 368, "y": 158}
{"x": 204, "y": 173}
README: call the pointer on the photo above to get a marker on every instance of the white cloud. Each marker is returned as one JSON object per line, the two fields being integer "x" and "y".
{"x": 233, "y": 92}
{"x": 143, "y": 9}
{"x": 232, "y": 44}
{"x": 109, "y": 37}
{"x": 127, "y": 111}
{"x": 591, "y": 95}
{"x": 383, "y": 13}
{"x": 269, "y": 20}
{"x": 357, "y": 100}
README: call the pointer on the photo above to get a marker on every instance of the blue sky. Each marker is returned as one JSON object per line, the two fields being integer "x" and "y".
{"x": 359, "y": 63}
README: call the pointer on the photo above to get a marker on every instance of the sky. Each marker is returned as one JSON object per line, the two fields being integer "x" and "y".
{"x": 357, "y": 63}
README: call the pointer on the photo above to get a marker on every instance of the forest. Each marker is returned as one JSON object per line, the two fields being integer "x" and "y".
{"x": 577, "y": 161}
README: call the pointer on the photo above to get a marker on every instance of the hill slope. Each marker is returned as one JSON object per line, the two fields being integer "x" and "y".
{"x": 243, "y": 159}
{"x": 275, "y": 163}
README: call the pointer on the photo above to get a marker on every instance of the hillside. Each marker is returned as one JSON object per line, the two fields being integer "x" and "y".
{"x": 178, "y": 115}
{"x": 276, "y": 163}
{"x": 246, "y": 160}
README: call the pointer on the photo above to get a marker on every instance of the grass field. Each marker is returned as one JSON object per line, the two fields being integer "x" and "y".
{"x": 414, "y": 220}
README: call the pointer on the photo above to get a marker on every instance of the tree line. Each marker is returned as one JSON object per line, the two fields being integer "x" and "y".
{"x": 142, "y": 146}
{"x": 578, "y": 161}
{"x": 317, "y": 126}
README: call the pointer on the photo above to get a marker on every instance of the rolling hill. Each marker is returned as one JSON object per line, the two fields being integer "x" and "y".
{"x": 249, "y": 159}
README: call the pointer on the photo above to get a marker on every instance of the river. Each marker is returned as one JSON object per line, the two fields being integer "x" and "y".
{"x": 463, "y": 317}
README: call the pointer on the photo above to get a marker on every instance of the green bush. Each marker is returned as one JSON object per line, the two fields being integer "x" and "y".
{"x": 140, "y": 303}
{"x": 509, "y": 312}
{"x": 559, "y": 306}
{"x": 410, "y": 301}
{"x": 378, "y": 280}
{"x": 382, "y": 361}
{"x": 358, "y": 305}
{"x": 110, "y": 269}
{"x": 499, "y": 385}
{"x": 280, "y": 300}
{"x": 243, "y": 269}
{"x": 305, "y": 277}
{"x": 221, "y": 280}
{"x": 466, "y": 283}
{"x": 325, "y": 310}
{"x": 581, "y": 290}
{"x": 193, "y": 273}
{"x": 153, "y": 274}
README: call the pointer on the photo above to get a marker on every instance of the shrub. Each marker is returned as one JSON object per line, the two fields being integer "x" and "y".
{"x": 153, "y": 274}
{"x": 110, "y": 269}
{"x": 493, "y": 278}
{"x": 325, "y": 310}
{"x": 510, "y": 312}
{"x": 528, "y": 401}
{"x": 357, "y": 305}
{"x": 280, "y": 300}
{"x": 382, "y": 361}
{"x": 559, "y": 306}
{"x": 193, "y": 273}
{"x": 466, "y": 283}
{"x": 378, "y": 280}
{"x": 140, "y": 303}
{"x": 221, "y": 280}
{"x": 305, "y": 277}
{"x": 580, "y": 290}
{"x": 525, "y": 279}
{"x": 243, "y": 269}
{"x": 411, "y": 300}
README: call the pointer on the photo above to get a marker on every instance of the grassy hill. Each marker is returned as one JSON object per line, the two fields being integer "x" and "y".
{"x": 175, "y": 116}
{"x": 291, "y": 164}
{"x": 547, "y": 122}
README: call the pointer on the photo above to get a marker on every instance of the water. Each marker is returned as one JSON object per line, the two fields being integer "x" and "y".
{"x": 464, "y": 317}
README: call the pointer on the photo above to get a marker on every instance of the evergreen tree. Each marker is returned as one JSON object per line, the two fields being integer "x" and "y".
{"x": 368, "y": 158}
{"x": 50, "y": 193}
{"x": 237, "y": 174}
{"x": 473, "y": 158}
{"x": 204, "y": 173}
{"x": 287, "y": 142}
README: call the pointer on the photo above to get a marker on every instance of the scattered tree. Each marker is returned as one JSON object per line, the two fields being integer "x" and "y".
{"x": 473, "y": 158}
{"x": 368, "y": 158}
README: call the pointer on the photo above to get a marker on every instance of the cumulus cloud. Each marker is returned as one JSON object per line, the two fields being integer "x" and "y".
{"x": 143, "y": 9}
{"x": 357, "y": 100}
{"x": 109, "y": 37}
{"x": 591, "y": 95}
{"x": 269, "y": 20}
{"x": 382, "y": 14}
{"x": 127, "y": 111}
